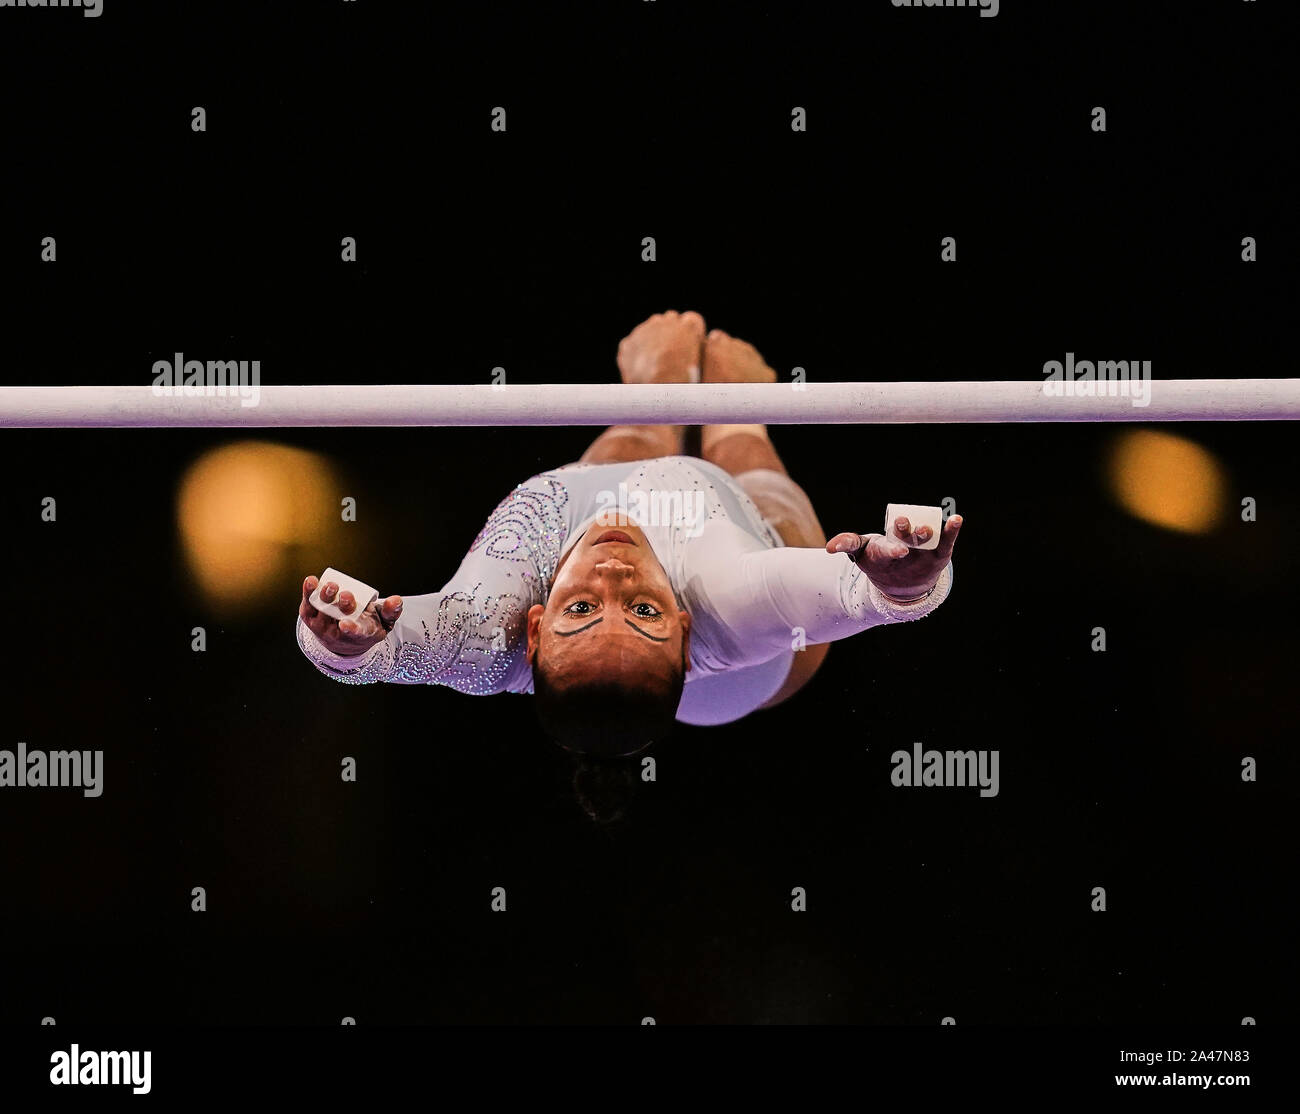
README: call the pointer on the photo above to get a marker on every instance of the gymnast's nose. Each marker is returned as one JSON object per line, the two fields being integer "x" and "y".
{"x": 612, "y": 566}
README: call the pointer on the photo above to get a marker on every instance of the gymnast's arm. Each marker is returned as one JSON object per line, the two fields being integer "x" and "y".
{"x": 367, "y": 647}
{"x": 469, "y": 635}
{"x": 765, "y": 598}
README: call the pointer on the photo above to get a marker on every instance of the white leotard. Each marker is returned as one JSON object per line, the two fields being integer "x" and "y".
{"x": 751, "y": 599}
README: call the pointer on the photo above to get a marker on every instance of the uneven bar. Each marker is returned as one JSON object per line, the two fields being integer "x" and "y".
{"x": 138, "y": 407}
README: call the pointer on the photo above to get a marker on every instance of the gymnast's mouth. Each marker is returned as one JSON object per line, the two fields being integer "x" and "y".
{"x": 613, "y": 536}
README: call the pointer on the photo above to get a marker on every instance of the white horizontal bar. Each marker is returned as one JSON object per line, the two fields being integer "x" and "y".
{"x": 1170, "y": 400}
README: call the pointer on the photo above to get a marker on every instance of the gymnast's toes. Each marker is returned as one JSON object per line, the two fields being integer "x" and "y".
{"x": 664, "y": 348}
{"x": 728, "y": 359}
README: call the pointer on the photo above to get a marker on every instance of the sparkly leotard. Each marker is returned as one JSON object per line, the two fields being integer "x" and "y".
{"x": 750, "y": 598}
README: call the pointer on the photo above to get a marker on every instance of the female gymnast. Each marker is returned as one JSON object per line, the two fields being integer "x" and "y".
{"x": 641, "y": 586}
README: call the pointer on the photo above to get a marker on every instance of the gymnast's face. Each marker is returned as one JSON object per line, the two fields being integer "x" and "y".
{"x": 611, "y": 613}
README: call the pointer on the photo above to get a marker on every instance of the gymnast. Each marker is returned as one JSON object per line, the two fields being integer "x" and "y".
{"x": 618, "y": 627}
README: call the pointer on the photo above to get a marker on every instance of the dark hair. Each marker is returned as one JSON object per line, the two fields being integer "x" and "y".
{"x": 604, "y": 788}
{"x": 606, "y": 719}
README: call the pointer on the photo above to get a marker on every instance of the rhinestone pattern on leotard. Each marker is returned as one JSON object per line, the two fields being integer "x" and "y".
{"x": 478, "y": 641}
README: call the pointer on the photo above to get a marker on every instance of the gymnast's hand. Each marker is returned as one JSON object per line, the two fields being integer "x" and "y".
{"x": 356, "y": 634}
{"x": 899, "y": 571}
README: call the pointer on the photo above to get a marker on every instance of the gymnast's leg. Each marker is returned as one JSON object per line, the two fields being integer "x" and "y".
{"x": 747, "y": 453}
{"x": 664, "y": 348}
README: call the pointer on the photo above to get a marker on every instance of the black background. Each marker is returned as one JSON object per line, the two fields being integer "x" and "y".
{"x": 522, "y": 250}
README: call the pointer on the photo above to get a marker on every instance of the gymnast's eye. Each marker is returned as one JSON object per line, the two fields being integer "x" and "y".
{"x": 579, "y": 607}
{"x": 647, "y": 611}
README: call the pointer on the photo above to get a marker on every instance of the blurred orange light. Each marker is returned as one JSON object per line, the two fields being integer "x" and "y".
{"x": 243, "y": 510}
{"x": 1167, "y": 481}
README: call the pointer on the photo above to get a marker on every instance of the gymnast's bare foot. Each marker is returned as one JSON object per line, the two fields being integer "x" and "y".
{"x": 664, "y": 348}
{"x": 728, "y": 359}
